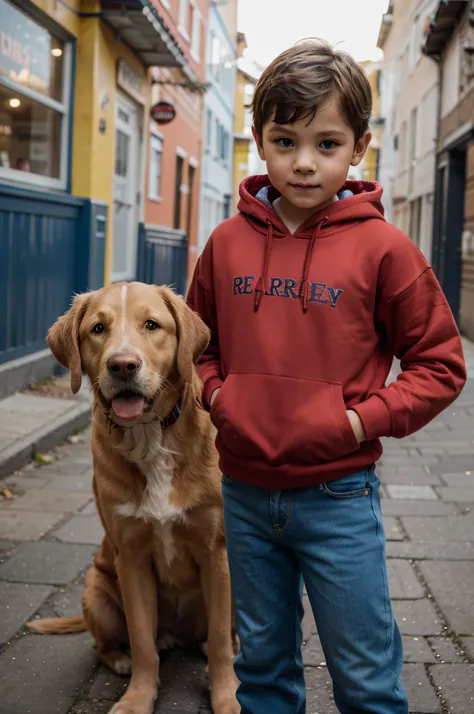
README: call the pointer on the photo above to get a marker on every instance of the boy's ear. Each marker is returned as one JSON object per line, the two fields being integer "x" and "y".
{"x": 360, "y": 148}
{"x": 258, "y": 141}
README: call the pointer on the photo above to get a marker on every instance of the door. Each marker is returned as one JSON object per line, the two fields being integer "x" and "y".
{"x": 125, "y": 193}
{"x": 448, "y": 234}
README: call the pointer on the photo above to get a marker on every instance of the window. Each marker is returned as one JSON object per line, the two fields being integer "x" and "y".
{"x": 177, "y": 192}
{"x": 209, "y": 129}
{"x": 184, "y": 18}
{"x": 34, "y": 100}
{"x": 215, "y": 57}
{"x": 154, "y": 178}
{"x": 196, "y": 35}
{"x": 413, "y": 147}
{"x": 218, "y": 139}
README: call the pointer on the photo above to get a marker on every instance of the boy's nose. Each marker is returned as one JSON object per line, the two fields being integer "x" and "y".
{"x": 305, "y": 163}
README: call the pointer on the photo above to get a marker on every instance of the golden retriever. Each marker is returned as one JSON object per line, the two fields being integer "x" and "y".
{"x": 161, "y": 574}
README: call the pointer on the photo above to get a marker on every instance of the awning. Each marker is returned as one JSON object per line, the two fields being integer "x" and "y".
{"x": 139, "y": 25}
{"x": 442, "y": 25}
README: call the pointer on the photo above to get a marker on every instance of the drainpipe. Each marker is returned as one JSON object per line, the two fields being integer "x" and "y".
{"x": 439, "y": 64}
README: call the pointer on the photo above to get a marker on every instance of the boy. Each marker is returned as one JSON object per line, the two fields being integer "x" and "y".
{"x": 309, "y": 294}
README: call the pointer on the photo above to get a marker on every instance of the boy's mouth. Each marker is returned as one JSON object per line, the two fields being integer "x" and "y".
{"x": 304, "y": 186}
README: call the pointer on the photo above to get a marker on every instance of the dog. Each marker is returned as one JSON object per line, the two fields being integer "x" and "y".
{"x": 160, "y": 577}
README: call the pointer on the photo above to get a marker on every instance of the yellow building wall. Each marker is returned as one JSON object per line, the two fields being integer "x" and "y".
{"x": 97, "y": 55}
{"x": 239, "y": 115}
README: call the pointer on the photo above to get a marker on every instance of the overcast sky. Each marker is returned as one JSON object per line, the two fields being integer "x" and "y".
{"x": 270, "y": 26}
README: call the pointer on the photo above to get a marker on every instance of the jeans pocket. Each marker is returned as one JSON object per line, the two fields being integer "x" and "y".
{"x": 226, "y": 480}
{"x": 352, "y": 486}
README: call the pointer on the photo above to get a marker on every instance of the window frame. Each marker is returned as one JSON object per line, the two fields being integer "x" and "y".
{"x": 155, "y": 140}
{"x": 195, "y": 31}
{"x": 183, "y": 19}
{"x": 63, "y": 108}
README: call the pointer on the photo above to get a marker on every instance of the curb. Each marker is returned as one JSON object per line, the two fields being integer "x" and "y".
{"x": 44, "y": 438}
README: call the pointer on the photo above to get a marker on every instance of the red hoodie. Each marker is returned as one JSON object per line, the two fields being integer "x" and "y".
{"x": 305, "y": 326}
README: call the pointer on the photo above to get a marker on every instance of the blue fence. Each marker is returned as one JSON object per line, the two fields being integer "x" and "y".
{"x": 45, "y": 256}
{"x": 162, "y": 257}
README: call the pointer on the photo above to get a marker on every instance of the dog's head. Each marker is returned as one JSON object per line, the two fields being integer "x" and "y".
{"x": 134, "y": 341}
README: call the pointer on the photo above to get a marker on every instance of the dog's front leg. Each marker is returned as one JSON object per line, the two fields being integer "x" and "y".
{"x": 215, "y": 580}
{"x": 139, "y": 591}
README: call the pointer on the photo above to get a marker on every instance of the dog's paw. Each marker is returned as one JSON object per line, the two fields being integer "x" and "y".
{"x": 122, "y": 665}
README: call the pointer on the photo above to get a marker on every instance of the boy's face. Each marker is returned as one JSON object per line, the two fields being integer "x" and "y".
{"x": 308, "y": 162}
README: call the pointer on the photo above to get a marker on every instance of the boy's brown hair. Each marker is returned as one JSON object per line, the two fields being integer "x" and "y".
{"x": 302, "y": 78}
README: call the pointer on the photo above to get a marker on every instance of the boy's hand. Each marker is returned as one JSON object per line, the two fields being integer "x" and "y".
{"x": 213, "y": 396}
{"x": 356, "y": 423}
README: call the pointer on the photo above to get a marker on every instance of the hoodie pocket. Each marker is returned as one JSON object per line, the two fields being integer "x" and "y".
{"x": 283, "y": 419}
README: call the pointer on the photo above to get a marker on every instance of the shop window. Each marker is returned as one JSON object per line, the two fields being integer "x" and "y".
{"x": 154, "y": 177}
{"x": 34, "y": 93}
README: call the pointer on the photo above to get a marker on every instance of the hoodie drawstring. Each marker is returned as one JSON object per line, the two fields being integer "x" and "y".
{"x": 304, "y": 289}
{"x": 260, "y": 287}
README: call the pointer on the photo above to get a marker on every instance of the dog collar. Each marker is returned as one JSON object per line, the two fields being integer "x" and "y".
{"x": 166, "y": 422}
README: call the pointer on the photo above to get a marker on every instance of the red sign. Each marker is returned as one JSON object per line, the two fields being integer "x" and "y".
{"x": 163, "y": 112}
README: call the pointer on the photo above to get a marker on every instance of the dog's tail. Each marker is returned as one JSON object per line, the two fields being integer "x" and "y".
{"x": 58, "y": 625}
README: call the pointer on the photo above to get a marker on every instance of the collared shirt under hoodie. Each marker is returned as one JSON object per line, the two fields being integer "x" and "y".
{"x": 305, "y": 326}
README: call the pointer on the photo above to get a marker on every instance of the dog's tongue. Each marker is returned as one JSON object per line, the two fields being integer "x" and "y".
{"x": 128, "y": 408}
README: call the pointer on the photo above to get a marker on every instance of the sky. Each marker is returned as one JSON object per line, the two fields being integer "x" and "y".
{"x": 271, "y": 26}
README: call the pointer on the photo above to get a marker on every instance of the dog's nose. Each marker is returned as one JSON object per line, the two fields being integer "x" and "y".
{"x": 125, "y": 365}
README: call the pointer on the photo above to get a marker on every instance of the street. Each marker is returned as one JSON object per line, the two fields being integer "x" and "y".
{"x": 49, "y": 529}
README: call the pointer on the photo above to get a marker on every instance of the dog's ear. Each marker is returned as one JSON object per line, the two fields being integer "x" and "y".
{"x": 63, "y": 339}
{"x": 193, "y": 335}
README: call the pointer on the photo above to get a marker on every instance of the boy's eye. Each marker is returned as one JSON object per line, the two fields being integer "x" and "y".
{"x": 285, "y": 143}
{"x": 327, "y": 144}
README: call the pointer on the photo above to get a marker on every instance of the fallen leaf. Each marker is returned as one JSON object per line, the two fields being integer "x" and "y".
{"x": 7, "y": 493}
{"x": 44, "y": 459}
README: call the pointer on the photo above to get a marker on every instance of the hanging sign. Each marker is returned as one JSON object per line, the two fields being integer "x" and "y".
{"x": 163, "y": 112}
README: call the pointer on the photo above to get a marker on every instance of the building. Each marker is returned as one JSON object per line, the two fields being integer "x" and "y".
{"x": 449, "y": 41}
{"x": 218, "y": 153}
{"x": 75, "y": 92}
{"x": 409, "y": 93}
{"x": 247, "y": 162}
{"x": 370, "y": 168}
{"x": 173, "y": 176}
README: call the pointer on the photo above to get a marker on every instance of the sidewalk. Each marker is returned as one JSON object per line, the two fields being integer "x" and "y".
{"x": 49, "y": 530}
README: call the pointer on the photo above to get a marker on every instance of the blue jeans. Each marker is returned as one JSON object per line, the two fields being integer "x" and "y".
{"x": 332, "y": 535}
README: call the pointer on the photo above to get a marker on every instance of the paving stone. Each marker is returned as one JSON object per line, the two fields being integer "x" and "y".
{"x": 22, "y": 525}
{"x": 410, "y": 479}
{"x": 458, "y": 480}
{"x": 467, "y": 644}
{"x": 403, "y": 582}
{"x": 454, "y": 464}
{"x": 440, "y": 530}
{"x": 43, "y": 674}
{"x": 70, "y": 483}
{"x": 421, "y": 696}
{"x": 445, "y": 650}
{"x": 308, "y": 625}
{"x": 18, "y": 602}
{"x": 47, "y": 563}
{"x": 430, "y": 551}
{"x": 456, "y": 683}
{"x": 43, "y": 500}
{"x": 392, "y": 529}
{"x": 454, "y": 495}
{"x": 417, "y": 617}
{"x": 412, "y": 493}
{"x": 395, "y": 507}
{"x": 417, "y": 649}
{"x": 68, "y": 468}
{"x": 81, "y": 529}
{"x": 184, "y": 683}
{"x": 102, "y": 707}
{"x": 90, "y": 509}
{"x": 452, "y": 585}
{"x": 313, "y": 655}
{"x": 24, "y": 483}
{"x": 409, "y": 461}
{"x": 107, "y": 685}
{"x": 67, "y": 602}
{"x": 319, "y": 692}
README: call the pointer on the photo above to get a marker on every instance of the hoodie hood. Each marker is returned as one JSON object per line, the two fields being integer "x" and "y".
{"x": 365, "y": 202}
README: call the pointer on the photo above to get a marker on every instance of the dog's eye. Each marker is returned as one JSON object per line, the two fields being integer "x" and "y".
{"x": 151, "y": 325}
{"x": 98, "y": 329}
